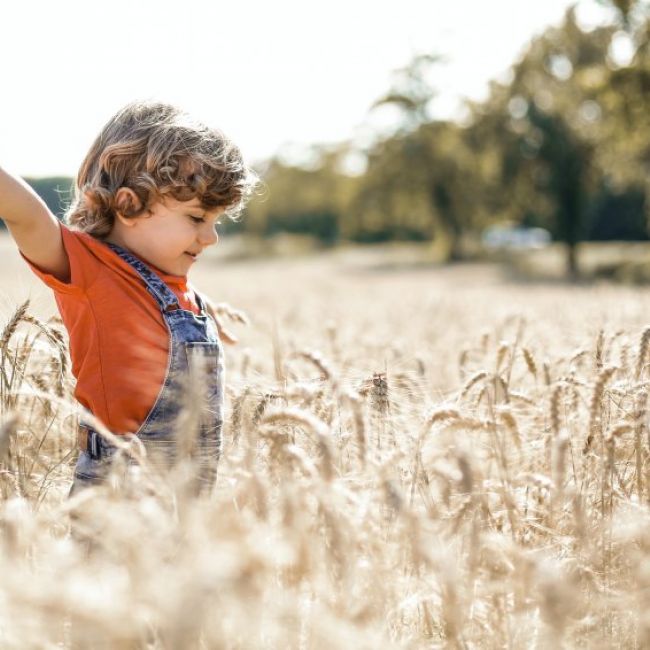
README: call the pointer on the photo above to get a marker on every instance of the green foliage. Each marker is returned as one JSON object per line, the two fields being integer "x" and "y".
{"x": 539, "y": 151}
{"x": 617, "y": 216}
{"x": 570, "y": 123}
{"x": 309, "y": 201}
{"x": 56, "y": 191}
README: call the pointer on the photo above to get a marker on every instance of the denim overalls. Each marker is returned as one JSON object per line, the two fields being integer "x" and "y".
{"x": 194, "y": 347}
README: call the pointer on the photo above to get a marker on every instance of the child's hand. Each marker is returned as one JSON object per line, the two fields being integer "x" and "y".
{"x": 224, "y": 309}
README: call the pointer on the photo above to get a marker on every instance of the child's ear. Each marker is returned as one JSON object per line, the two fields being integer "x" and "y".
{"x": 127, "y": 204}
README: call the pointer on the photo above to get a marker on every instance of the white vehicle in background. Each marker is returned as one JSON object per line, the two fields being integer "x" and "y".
{"x": 506, "y": 236}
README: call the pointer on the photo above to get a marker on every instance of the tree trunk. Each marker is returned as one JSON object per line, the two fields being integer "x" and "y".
{"x": 443, "y": 207}
{"x": 455, "y": 252}
{"x": 572, "y": 270}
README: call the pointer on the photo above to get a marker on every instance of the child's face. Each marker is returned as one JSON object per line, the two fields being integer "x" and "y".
{"x": 171, "y": 236}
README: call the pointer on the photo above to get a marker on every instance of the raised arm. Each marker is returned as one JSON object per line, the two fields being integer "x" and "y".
{"x": 34, "y": 228}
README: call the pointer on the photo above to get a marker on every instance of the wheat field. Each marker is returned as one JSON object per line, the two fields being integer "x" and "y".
{"x": 414, "y": 457}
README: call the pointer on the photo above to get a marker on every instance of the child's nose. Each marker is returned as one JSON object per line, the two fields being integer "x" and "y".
{"x": 208, "y": 237}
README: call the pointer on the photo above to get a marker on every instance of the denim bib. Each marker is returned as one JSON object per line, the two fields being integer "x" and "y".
{"x": 195, "y": 350}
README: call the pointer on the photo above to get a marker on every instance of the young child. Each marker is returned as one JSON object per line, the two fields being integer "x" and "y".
{"x": 148, "y": 198}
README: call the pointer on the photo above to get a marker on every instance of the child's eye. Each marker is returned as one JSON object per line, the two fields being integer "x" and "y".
{"x": 202, "y": 220}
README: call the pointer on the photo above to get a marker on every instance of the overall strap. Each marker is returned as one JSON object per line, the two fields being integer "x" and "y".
{"x": 199, "y": 300}
{"x": 155, "y": 286}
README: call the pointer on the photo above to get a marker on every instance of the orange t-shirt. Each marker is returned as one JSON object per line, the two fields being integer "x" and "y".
{"x": 119, "y": 343}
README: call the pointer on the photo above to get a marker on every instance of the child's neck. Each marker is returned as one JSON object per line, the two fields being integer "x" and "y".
{"x": 114, "y": 238}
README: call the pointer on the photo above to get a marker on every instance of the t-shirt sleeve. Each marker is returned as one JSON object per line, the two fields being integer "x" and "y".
{"x": 84, "y": 266}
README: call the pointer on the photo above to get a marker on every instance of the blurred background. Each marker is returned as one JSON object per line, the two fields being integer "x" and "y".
{"x": 448, "y": 133}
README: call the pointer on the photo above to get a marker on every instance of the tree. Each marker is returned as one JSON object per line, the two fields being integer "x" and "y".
{"x": 424, "y": 167}
{"x": 412, "y": 92}
{"x": 304, "y": 200}
{"x": 546, "y": 125}
{"x": 566, "y": 164}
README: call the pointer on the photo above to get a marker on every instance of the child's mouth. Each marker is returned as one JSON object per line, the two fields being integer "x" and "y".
{"x": 190, "y": 254}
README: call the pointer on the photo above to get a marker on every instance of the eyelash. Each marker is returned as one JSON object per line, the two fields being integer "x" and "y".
{"x": 202, "y": 220}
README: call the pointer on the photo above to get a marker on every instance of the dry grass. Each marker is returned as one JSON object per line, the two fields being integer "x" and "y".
{"x": 414, "y": 459}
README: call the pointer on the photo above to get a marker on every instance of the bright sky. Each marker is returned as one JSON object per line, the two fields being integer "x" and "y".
{"x": 274, "y": 75}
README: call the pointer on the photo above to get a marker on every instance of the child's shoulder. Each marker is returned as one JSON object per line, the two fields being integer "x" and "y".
{"x": 86, "y": 255}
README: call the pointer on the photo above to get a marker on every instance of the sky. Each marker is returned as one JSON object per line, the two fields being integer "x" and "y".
{"x": 274, "y": 76}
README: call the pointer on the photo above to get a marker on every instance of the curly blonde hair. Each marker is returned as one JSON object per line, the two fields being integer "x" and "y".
{"x": 157, "y": 150}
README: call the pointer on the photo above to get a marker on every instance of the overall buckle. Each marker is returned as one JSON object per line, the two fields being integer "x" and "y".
{"x": 93, "y": 444}
{"x": 89, "y": 441}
